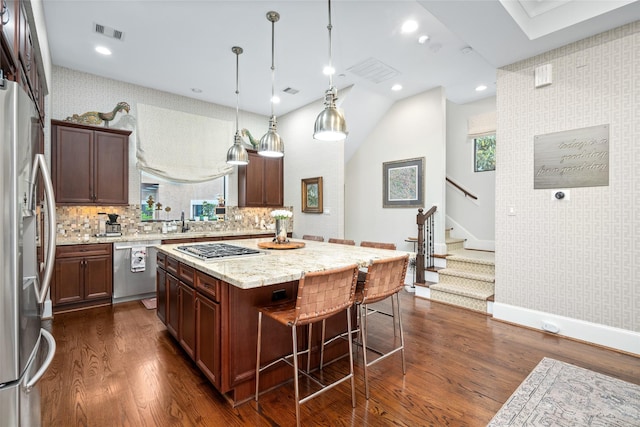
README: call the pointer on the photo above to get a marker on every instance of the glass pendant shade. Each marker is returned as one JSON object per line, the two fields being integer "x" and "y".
{"x": 330, "y": 124}
{"x": 271, "y": 145}
{"x": 237, "y": 154}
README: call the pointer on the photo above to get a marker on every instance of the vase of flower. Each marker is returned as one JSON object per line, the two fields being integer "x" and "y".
{"x": 282, "y": 220}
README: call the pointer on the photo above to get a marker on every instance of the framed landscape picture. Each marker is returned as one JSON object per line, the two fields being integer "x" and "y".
{"x": 312, "y": 195}
{"x": 403, "y": 183}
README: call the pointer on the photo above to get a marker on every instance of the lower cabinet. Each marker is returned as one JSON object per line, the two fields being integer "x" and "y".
{"x": 208, "y": 338}
{"x": 188, "y": 304}
{"x": 83, "y": 276}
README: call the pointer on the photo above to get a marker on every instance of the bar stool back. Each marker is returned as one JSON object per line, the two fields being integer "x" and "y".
{"x": 320, "y": 295}
{"x": 311, "y": 237}
{"x": 379, "y": 245}
{"x": 384, "y": 279}
{"x": 342, "y": 241}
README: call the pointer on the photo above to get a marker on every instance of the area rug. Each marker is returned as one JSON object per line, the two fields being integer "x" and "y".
{"x": 559, "y": 394}
{"x": 149, "y": 303}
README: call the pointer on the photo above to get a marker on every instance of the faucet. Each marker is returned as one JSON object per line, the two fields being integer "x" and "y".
{"x": 183, "y": 226}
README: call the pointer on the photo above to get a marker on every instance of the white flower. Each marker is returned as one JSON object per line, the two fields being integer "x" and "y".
{"x": 281, "y": 214}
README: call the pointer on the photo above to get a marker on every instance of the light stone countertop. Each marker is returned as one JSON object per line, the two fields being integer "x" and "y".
{"x": 64, "y": 241}
{"x": 279, "y": 266}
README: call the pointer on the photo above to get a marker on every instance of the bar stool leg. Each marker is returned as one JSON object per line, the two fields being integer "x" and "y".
{"x": 258, "y": 354}
{"x": 295, "y": 373}
{"x": 353, "y": 380}
{"x": 404, "y": 370}
{"x": 322, "y": 345}
{"x": 310, "y": 329}
{"x": 363, "y": 333}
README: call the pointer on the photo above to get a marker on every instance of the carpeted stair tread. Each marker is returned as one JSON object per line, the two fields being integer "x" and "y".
{"x": 462, "y": 301}
{"x": 469, "y": 293}
{"x": 476, "y": 257}
{"x": 467, "y": 275}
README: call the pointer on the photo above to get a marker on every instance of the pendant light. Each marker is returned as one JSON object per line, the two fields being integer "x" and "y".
{"x": 237, "y": 154}
{"x": 330, "y": 124}
{"x": 271, "y": 145}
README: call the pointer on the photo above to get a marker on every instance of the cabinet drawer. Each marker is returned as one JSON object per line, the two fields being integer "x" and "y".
{"x": 208, "y": 285}
{"x": 83, "y": 250}
{"x": 186, "y": 273}
{"x": 161, "y": 260}
{"x": 172, "y": 265}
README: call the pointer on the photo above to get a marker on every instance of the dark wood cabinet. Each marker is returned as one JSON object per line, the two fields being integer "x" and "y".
{"x": 9, "y": 24}
{"x": 173, "y": 305}
{"x": 208, "y": 338}
{"x": 260, "y": 183}
{"x": 161, "y": 294}
{"x": 83, "y": 276}
{"x": 187, "y": 321}
{"x": 89, "y": 165}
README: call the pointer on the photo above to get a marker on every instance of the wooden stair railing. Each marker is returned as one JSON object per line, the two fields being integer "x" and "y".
{"x": 424, "y": 258}
{"x": 466, "y": 193}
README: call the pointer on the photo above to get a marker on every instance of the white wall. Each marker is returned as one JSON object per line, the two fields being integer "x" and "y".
{"x": 307, "y": 158}
{"x": 476, "y": 216}
{"x": 574, "y": 261}
{"x": 74, "y": 92}
{"x": 413, "y": 127}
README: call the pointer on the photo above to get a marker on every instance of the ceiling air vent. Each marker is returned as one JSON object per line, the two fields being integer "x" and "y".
{"x": 374, "y": 70}
{"x": 108, "y": 31}
{"x": 290, "y": 91}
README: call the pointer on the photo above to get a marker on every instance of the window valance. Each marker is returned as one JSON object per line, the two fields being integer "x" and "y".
{"x": 180, "y": 146}
{"x": 482, "y": 125}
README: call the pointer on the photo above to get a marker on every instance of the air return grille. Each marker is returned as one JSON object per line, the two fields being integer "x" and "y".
{"x": 108, "y": 31}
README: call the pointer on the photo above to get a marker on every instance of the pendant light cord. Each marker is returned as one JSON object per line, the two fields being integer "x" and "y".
{"x": 273, "y": 67}
{"x": 329, "y": 27}
{"x": 237, "y": 91}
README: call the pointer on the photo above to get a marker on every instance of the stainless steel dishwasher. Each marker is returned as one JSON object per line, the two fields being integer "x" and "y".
{"x": 127, "y": 284}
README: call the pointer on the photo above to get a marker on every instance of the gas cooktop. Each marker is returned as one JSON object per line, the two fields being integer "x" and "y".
{"x": 217, "y": 251}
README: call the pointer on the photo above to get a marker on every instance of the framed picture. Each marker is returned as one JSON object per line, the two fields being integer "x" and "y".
{"x": 312, "y": 195}
{"x": 403, "y": 183}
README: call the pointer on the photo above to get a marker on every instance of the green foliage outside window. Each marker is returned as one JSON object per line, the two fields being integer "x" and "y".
{"x": 485, "y": 153}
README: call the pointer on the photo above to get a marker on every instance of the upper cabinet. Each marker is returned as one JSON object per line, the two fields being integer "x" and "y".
{"x": 260, "y": 183}
{"x": 89, "y": 165}
{"x": 19, "y": 57}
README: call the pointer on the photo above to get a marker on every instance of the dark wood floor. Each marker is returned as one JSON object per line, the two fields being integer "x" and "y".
{"x": 118, "y": 366}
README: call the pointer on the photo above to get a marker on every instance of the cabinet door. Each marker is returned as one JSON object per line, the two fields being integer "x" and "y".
{"x": 97, "y": 277}
{"x": 72, "y": 164}
{"x": 187, "y": 323}
{"x": 111, "y": 168}
{"x": 67, "y": 282}
{"x": 208, "y": 338}
{"x": 273, "y": 179}
{"x": 173, "y": 305}
{"x": 161, "y": 295}
{"x": 253, "y": 180}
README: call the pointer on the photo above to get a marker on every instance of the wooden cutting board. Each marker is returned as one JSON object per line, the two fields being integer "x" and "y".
{"x": 274, "y": 245}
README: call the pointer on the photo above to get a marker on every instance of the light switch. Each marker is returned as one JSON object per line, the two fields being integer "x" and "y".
{"x": 326, "y": 211}
{"x": 511, "y": 211}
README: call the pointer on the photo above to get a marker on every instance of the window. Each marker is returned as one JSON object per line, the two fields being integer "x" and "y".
{"x": 175, "y": 198}
{"x": 484, "y": 153}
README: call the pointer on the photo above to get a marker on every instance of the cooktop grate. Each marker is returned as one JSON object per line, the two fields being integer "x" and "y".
{"x": 217, "y": 251}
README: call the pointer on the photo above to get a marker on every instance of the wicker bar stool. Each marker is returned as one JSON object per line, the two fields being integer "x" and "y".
{"x": 311, "y": 237}
{"x": 379, "y": 245}
{"x": 320, "y": 295}
{"x": 384, "y": 279}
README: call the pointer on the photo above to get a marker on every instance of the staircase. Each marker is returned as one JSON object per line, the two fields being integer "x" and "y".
{"x": 468, "y": 279}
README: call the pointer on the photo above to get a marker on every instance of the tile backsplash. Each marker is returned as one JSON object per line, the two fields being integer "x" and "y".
{"x": 78, "y": 221}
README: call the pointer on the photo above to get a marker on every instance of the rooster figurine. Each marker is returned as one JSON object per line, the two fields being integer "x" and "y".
{"x": 245, "y": 132}
{"x": 96, "y": 118}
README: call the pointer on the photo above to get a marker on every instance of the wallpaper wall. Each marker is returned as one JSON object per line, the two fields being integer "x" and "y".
{"x": 74, "y": 92}
{"x": 577, "y": 258}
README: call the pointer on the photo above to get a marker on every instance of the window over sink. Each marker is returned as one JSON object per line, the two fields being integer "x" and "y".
{"x": 164, "y": 200}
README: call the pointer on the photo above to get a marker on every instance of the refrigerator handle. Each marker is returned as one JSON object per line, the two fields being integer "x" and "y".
{"x": 41, "y": 164}
{"x": 52, "y": 351}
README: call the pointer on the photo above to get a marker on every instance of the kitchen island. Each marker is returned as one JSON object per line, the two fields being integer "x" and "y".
{"x": 209, "y": 307}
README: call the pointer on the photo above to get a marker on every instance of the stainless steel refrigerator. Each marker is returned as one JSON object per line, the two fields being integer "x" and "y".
{"x": 26, "y": 349}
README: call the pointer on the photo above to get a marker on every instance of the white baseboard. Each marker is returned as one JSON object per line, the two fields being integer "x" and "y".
{"x": 431, "y": 276}
{"x": 471, "y": 241}
{"x": 620, "y": 339}
{"x": 440, "y": 248}
{"x": 423, "y": 292}
{"x": 47, "y": 312}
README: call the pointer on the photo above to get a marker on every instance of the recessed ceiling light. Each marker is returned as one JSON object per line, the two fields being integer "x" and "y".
{"x": 396, "y": 87}
{"x": 465, "y": 50}
{"x": 481, "y": 88}
{"x": 423, "y": 39}
{"x": 103, "y": 50}
{"x": 196, "y": 90}
{"x": 275, "y": 99}
{"x": 328, "y": 70}
{"x": 409, "y": 26}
